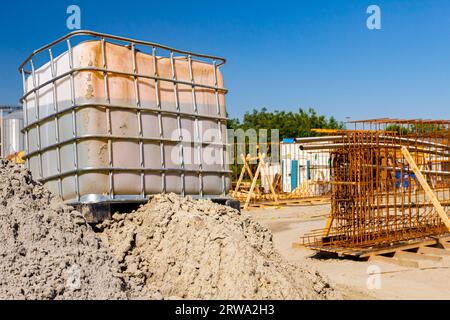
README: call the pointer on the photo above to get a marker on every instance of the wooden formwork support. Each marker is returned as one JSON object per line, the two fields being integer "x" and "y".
{"x": 261, "y": 167}
{"x": 416, "y": 256}
{"x": 245, "y": 169}
{"x": 327, "y": 229}
{"x": 289, "y": 202}
{"x": 428, "y": 191}
{"x": 412, "y": 259}
{"x": 434, "y": 251}
{"x": 397, "y": 261}
{"x": 429, "y": 250}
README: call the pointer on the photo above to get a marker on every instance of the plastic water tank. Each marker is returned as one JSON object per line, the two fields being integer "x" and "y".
{"x": 108, "y": 121}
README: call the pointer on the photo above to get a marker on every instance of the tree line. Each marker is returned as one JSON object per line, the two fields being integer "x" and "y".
{"x": 290, "y": 124}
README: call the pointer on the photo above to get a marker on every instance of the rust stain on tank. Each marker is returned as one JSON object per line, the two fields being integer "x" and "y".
{"x": 89, "y": 87}
{"x": 102, "y": 153}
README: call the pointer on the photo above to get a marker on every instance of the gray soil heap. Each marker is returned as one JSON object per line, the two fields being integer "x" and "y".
{"x": 196, "y": 249}
{"x": 173, "y": 247}
{"x": 47, "y": 251}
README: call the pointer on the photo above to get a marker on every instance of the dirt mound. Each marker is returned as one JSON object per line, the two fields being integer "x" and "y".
{"x": 181, "y": 247}
{"x": 197, "y": 249}
{"x": 47, "y": 251}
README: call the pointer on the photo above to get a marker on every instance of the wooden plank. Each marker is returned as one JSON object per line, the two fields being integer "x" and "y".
{"x": 290, "y": 202}
{"x": 434, "y": 251}
{"x": 416, "y": 256}
{"x": 426, "y": 187}
{"x": 443, "y": 237}
{"x": 397, "y": 261}
{"x": 398, "y": 247}
{"x": 245, "y": 168}
{"x": 252, "y": 187}
{"x": 250, "y": 174}
{"x": 296, "y": 245}
{"x": 327, "y": 229}
{"x": 444, "y": 244}
{"x": 241, "y": 176}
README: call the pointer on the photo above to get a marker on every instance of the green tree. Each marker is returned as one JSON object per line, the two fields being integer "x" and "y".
{"x": 397, "y": 129}
{"x": 290, "y": 124}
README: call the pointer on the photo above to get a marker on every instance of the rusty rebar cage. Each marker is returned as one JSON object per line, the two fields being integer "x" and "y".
{"x": 377, "y": 199}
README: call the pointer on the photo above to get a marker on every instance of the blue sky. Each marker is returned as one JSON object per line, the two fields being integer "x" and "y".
{"x": 280, "y": 54}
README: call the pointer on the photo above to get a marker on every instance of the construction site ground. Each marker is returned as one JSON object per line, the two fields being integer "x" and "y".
{"x": 288, "y": 224}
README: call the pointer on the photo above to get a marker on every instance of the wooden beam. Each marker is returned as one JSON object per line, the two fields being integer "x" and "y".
{"x": 396, "y": 248}
{"x": 249, "y": 171}
{"x": 245, "y": 168}
{"x": 444, "y": 244}
{"x": 327, "y": 229}
{"x": 434, "y": 251}
{"x": 397, "y": 261}
{"x": 437, "y": 205}
{"x": 252, "y": 187}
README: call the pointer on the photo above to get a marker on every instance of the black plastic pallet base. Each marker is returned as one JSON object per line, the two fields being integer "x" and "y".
{"x": 98, "y": 212}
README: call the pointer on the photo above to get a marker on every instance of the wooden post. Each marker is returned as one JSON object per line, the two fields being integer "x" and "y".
{"x": 250, "y": 173}
{"x": 429, "y": 192}
{"x": 327, "y": 229}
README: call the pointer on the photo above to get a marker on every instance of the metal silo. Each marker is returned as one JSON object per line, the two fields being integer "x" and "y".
{"x": 11, "y": 126}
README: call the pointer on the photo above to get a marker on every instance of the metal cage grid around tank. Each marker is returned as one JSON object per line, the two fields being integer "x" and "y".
{"x": 28, "y": 69}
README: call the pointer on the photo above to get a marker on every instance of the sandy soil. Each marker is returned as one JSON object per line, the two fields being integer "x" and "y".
{"x": 430, "y": 281}
{"x": 196, "y": 249}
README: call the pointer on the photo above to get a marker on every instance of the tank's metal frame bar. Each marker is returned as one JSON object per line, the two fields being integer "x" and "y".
{"x": 179, "y": 128}
{"x": 55, "y": 110}
{"x": 117, "y": 38}
{"x": 160, "y": 124}
{"x": 58, "y": 112}
{"x": 197, "y": 135}
{"x": 113, "y": 137}
{"x": 139, "y": 118}
{"x": 120, "y": 73}
{"x": 74, "y": 123}
{"x": 123, "y": 107}
{"x": 36, "y": 111}
{"x": 108, "y": 118}
{"x": 98, "y": 198}
{"x": 219, "y": 125}
{"x": 128, "y": 169}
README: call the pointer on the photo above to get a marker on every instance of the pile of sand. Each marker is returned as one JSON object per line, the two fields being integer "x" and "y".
{"x": 47, "y": 251}
{"x": 196, "y": 249}
{"x": 173, "y": 247}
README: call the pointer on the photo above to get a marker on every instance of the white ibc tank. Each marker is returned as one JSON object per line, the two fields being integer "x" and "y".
{"x": 105, "y": 122}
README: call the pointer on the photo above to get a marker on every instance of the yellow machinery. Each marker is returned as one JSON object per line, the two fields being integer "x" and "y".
{"x": 16, "y": 157}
